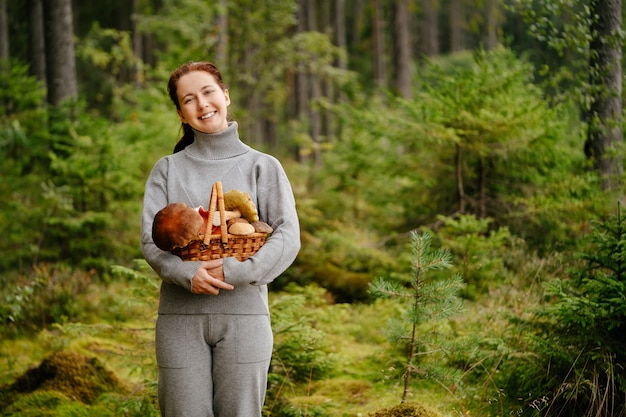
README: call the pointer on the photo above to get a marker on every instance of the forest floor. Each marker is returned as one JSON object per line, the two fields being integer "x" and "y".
{"x": 364, "y": 376}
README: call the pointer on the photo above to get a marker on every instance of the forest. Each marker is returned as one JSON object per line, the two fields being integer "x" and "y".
{"x": 458, "y": 170}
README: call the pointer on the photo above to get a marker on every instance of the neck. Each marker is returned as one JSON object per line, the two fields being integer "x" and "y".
{"x": 224, "y": 144}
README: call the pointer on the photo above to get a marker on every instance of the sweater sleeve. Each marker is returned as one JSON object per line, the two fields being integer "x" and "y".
{"x": 169, "y": 267}
{"x": 277, "y": 207}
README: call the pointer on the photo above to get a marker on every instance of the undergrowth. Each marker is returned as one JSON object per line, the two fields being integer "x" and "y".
{"x": 329, "y": 359}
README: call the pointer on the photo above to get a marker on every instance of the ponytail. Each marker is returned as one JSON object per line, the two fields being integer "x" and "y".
{"x": 186, "y": 139}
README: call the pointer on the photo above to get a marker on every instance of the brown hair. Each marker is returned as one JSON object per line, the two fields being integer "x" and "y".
{"x": 187, "y": 137}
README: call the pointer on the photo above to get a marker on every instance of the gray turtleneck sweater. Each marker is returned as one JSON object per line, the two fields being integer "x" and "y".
{"x": 187, "y": 177}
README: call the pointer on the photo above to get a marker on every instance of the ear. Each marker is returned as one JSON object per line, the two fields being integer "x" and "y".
{"x": 227, "y": 96}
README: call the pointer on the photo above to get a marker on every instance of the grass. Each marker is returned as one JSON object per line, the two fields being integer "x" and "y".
{"x": 118, "y": 330}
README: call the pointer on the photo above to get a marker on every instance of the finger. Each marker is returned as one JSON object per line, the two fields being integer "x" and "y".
{"x": 223, "y": 285}
{"x": 212, "y": 264}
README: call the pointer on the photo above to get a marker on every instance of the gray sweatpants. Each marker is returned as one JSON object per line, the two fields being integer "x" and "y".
{"x": 213, "y": 365}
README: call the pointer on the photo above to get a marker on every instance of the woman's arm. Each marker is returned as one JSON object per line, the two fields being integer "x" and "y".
{"x": 276, "y": 206}
{"x": 169, "y": 267}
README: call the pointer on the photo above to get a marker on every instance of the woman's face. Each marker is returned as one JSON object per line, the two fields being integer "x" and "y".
{"x": 202, "y": 102}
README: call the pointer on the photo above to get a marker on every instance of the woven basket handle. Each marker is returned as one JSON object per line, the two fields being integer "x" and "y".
{"x": 220, "y": 206}
{"x": 217, "y": 196}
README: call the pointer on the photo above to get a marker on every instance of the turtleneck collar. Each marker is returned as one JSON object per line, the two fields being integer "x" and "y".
{"x": 222, "y": 145}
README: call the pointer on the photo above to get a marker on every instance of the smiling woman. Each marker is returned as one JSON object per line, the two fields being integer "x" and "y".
{"x": 209, "y": 77}
{"x": 213, "y": 335}
{"x": 203, "y": 102}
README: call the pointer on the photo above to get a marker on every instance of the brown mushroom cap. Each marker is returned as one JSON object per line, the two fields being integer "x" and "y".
{"x": 175, "y": 226}
{"x": 239, "y": 200}
{"x": 241, "y": 228}
{"x": 262, "y": 227}
{"x": 236, "y": 220}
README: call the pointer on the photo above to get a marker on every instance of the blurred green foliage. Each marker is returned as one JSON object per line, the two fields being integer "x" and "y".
{"x": 72, "y": 182}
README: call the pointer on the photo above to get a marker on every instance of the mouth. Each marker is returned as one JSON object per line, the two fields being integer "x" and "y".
{"x": 207, "y": 116}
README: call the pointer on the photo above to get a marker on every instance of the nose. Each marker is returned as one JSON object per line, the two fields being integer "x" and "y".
{"x": 202, "y": 102}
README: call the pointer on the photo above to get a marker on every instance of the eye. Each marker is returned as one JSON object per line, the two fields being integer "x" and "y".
{"x": 188, "y": 100}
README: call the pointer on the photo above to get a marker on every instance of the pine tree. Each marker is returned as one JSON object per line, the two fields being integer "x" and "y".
{"x": 425, "y": 299}
{"x": 572, "y": 363}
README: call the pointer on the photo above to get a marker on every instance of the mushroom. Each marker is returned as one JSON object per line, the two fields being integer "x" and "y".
{"x": 241, "y": 228}
{"x": 176, "y": 225}
{"x": 236, "y": 220}
{"x": 229, "y": 215}
{"x": 236, "y": 200}
{"x": 262, "y": 227}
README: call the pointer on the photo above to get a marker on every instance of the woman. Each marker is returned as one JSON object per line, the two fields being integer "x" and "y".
{"x": 213, "y": 334}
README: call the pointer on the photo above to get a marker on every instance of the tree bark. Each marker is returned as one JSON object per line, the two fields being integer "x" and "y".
{"x": 492, "y": 24}
{"x": 402, "y": 50}
{"x": 460, "y": 191}
{"x": 456, "y": 26}
{"x": 340, "y": 32}
{"x": 37, "y": 40}
{"x": 221, "y": 49}
{"x": 137, "y": 40}
{"x": 341, "y": 62}
{"x": 379, "y": 44}
{"x": 604, "y": 144}
{"x": 315, "y": 92}
{"x": 60, "y": 58}
{"x": 357, "y": 22}
{"x": 4, "y": 31}
{"x": 482, "y": 188}
{"x": 429, "y": 26}
{"x": 301, "y": 84}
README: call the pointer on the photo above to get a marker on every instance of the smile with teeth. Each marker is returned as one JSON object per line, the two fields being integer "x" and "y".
{"x": 207, "y": 116}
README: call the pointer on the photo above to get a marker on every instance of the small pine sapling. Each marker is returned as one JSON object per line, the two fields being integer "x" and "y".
{"x": 426, "y": 299}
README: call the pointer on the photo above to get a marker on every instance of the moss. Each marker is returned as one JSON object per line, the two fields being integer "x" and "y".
{"x": 344, "y": 389}
{"x": 76, "y": 376}
{"x": 404, "y": 410}
{"x": 43, "y": 404}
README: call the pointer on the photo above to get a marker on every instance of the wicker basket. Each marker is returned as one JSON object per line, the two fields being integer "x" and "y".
{"x": 223, "y": 244}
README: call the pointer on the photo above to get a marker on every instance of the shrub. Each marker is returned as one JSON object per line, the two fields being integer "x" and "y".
{"x": 49, "y": 294}
{"x": 300, "y": 352}
{"x": 575, "y": 348}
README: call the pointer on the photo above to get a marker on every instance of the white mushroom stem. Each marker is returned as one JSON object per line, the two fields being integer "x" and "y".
{"x": 228, "y": 214}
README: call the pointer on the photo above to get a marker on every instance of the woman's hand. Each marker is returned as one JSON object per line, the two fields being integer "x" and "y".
{"x": 209, "y": 278}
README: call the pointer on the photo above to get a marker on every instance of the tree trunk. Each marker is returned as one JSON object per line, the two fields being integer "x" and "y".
{"x": 339, "y": 26}
{"x": 458, "y": 163}
{"x": 301, "y": 80}
{"x": 482, "y": 188}
{"x": 4, "y": 31}
{"x": 37, "y": 40}
{"x": 357, "y": 22}
{"x": 402, "y": 52}
{"x": 492, "y": 24}
{"x": 221, "y": 49}
{"x": 327, "y": 87}
{"x": 604, "y": 145}
{"x": 137, "y": 40}
{"x": 456, "y": 26}
{"x": 60, "y": 62}
{"x": 315, "y": 91}
{"x": 379, "y": 44}
{"x": 340, "y": 32}
{"x": 429, "y": 44}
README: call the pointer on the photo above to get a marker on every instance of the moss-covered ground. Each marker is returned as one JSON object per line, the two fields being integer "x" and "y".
{"x": 106, "y": 362}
